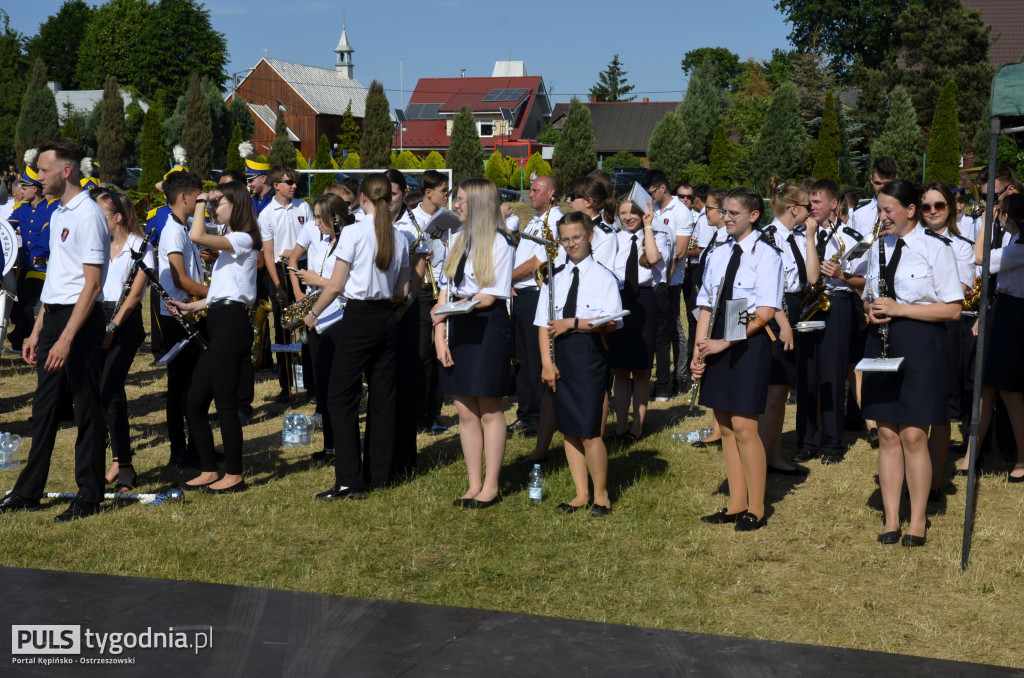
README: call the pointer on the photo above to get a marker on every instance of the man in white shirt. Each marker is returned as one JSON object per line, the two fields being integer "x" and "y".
{"x": 883, "y": 170}
{"x": 65, "y": 341}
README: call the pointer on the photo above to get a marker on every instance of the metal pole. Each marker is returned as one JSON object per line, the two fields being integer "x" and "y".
{"x": 979, "y": 363}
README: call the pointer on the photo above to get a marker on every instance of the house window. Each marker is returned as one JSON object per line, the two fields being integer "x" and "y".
{"x": 485, "y": 129}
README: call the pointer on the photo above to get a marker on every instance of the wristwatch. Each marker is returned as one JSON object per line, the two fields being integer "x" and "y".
{"x": 111, "y": 326}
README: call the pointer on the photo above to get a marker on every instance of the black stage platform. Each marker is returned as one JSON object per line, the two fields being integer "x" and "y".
{"x": 264, "y": 632}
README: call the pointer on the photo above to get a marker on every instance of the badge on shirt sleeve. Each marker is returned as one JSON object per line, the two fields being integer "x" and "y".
{"x": 666, "y": 221}
{"x": 302, "y": 220}
{"x": 64, "y": 235}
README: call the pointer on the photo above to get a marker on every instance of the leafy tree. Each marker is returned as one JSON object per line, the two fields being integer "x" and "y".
{"x": 14, "y": 70}
{"x": 901, "y": 138}
{"x": 723, "y": 66}
{"x": 536, "y": 166}
{"x": 944, "y": 143}
{"x": 234, "y": 158}
{"x": 696, "y": 173}
{"x": 465, "y": 153}
{"x": 282, "y": 150}
{"x": 351, "y": 161}
{"x": 780, "y": 145}
{"x": 620, "y": 160}
{"x": 38, "y": 119}
{"x": 107, "y": 48}
{"x": 58, "y": 41}
{"x": 779, "y": 68}
{"x": 154, "y": 155}
{"x": 406, "y": 160}
{"x": 375, "y": 145}
{"x": 666, "y": 148}
{"x": 699, "y": 112}
{"x": 575, "y": 153}
{"x": 720, "y": 167}
{"x": 168, "y": 58}
{"x": 110, "y": 149}
{"x": 241, "y": 116}
{"x": 322, "y": 162}
{"x": 850, "y": 30}
{"x": 350, "y": 134}
{"x": 434, "y": 160}
{"x": 495, "y": 169}
{"x": 611, "y": 83}
{"x": 197, "y": 136}
{"x": 826, "y": 151}
{"x": 548, "y": 135}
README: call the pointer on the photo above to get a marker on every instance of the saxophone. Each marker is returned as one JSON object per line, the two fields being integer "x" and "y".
{"x": 552, "y": 252}
{"x": 817, "y": 290}
{"x": 292, "y": 316}
{"x": 196, "y": 316}
{"x": 258, "y": 319}
{"x": 972, "y": 298}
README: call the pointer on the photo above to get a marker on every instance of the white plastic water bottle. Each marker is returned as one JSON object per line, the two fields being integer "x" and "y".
{"x": 5, "y": 452}
{"x": 303, "y": 430}
{"x": 288, "y": 431}
{"x": 300, "y": 384}
{"x": 536, "y": 485}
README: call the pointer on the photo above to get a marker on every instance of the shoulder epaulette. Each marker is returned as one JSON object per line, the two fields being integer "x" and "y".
{"x": 151, "y": 213}
{"x": 50, "y": 202}
{"x": 604, "y": 227}
{"x": 853, "y": 233}
{"x": 940, "y": 237}
{"x": 966, "y": 240}
{"x": 760, "y": 239}
{"x": 507, "y": 236}
{"x": 19, "y": 204}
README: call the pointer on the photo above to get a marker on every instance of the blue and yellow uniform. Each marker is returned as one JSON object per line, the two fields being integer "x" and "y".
{"x": 254, "y": 168}
{"x": 34, "y": 225}
{"x": 155, "y": 220}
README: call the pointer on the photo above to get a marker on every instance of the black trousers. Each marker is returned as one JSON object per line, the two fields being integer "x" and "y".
{"x": 117, "y": 362}
{"x": 369, "y": 346}
{"x": 179, "y": 376}
{"x": 322, "y": 348}
{"x": 157, "y": 322}
{"x": 663, "y": 340}
{"x": 431, "y": 396}
{"x": 23, "y": 315}
{"x": 690, "y": 303}
{"x": 408, "y": 387}
{"x": 821, "y": 377}
{"x": 82, "y": 372}
{"x": 529, "y": 387}
{"x": 215, "y": 379}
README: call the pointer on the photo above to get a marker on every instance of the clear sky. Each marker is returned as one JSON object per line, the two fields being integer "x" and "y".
{"x": 567, "y": 43}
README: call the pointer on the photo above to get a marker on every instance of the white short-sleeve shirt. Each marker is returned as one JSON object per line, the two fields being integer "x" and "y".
{"x": 647, "y": 277}
{"x": 174, "y": 239}
{"x": 605, "y": 245}
{"x": 282, "y": 223}
{"x": 411, "y": 229}
{"x": 78, "y": 236}
{"x": 357, "y": 245}
{"x": 527, "y": 249}
{"x": 234, "y": 272}
{"x": 596, "y": 296}
{"x": 121, "y": 264}
{"x": 503, "y": 255}
{"x": 926, "y": 272}
{"x": 758, "y": 278}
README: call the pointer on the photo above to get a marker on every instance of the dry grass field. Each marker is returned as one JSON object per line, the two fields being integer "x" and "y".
{"x": 815, "y": 574}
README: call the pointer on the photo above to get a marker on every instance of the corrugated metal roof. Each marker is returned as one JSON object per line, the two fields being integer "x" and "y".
{"x": 269, "y": 118}
{"x": 84, "y": 100}
{"x": 326, "y": 90}
{"x": 621, "y": 126}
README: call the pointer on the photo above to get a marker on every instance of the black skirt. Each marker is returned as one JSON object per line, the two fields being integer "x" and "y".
{"x": 918, "y": 394}
{"x": 481, "y": 346}
{"x": 632, "y": 346}
{"x": 579, "y": 397}
{"x": 1004, "y": 359}
{"x": 783, "y": 370}
{"x": 736, "y": 380}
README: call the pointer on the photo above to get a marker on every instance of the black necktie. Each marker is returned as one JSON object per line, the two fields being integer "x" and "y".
{"x": 801, "y": 267}
{"x": 569, "y": 310}
{"x": 460, "y": 270}
{"x": 822, "y": 242}
{"x": 633, "y": 268}
{"x": 890, "y": 269}
{"x": 730, "y": 273}
{"x": 997, "y": 235}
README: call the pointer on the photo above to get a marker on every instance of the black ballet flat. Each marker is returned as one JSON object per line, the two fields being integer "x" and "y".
{"x": 600, "y": 511}
{"x": 1014, "y": 479}
{"x": 569, "y": 508}
{"x": 701, "y": 444}
{"x": 240, "y": 486}
{"x": 721, "y": 517}
{"x": 475, "y": 504}
{"x": 913, "y": 540}
{"x": 798, "y": 471}
{"x": 205, "y": 487}
{"x": 462, "y": 502}
{"x": 747, "y": 522}
{"x": 890, "y": 537}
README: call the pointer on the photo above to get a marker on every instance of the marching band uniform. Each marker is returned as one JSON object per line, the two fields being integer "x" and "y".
{"x": 604, "y": 246}
{"x": 587, "y": 290}
{"x": 324, "y": 341}
{"x": 736, "y": 380}
{"x": 921, "y": 270}
{"x": 481, "y": 341}
{"x": 32, "y": 222}
{"x": 254, "y": 168}
{"x": 677, "y": 219}
{"x": 703, "y": 235}
{"x": 792, "y": 246}
{"x": 1004, "y": 368}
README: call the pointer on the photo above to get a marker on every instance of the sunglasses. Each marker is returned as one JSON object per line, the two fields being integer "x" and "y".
{"x": 937, "y": 206}
{"x": 290, "y": 182}
{"x": 571, "y": 196}
{"x": 684, "y": 196}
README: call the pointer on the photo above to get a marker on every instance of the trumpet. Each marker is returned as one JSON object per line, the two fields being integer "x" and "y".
{"x": 817, "y": 290}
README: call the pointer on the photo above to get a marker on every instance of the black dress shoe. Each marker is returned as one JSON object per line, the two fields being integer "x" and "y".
{"x": 913, "y": 540}
{"x": 79, "y": 508}
{"x": 748, "y": 522}
{"x": 13, "y": 502}
{"x": 805, "y": 454}
{"x": 796, "y": 471}
{"x": 1014, "y": 479}
{"x": 323, "y": 456}
{"x": 341, "y": 493}
{"x": 832, "y": 458}
{"x": 873, "y": 438}
{"x": 721, "y": 517}
{"x": 569, "y": 508}
{"x": 240, "y": 486}
{"x": 185, "y": 487}
{"x": 476, "y": 504}
{"x": 520, "y": 426}
{"x": 889, "y": 537}
{"x": 700, "y": 444}
{"x": 600, "y": 511}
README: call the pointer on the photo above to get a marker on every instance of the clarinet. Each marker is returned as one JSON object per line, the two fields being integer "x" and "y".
{"x": 883, "y": 291}
{"x": 190, "y": 329}
{"x": 126, "y": 288}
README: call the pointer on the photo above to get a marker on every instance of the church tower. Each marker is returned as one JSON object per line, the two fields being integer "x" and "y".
{"x": 344, "y": 51}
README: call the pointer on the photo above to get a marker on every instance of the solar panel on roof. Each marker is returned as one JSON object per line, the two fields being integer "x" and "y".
{"x": 505, "y": 94}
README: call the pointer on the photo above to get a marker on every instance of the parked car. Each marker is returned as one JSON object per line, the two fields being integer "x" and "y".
{"x": 623, "y": 180}
{"x": 508, "y": 195}
{"x": 131, "y": 177}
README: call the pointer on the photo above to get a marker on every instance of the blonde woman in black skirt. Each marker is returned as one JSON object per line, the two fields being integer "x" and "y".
{"x": 735, "y": 374}
{"x": 917, "y": 271}
{"x": 476, "y": 357}
{"x": 577, "y": 373}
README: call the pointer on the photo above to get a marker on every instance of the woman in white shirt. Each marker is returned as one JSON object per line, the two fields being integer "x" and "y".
{"x": 372, "y": 267}
{"x": 125, "y": 332}
{"x": 476, "y": 357}
{"x": 232, "y": 292}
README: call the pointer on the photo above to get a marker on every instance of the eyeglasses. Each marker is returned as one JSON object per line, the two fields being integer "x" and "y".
{"x": 685, "y": 196}
{"x": 290, "y": 182}
{"x": 938, "y": 206}
{"x": 575, "y": 240}
{"x": 1003, "y": 190}
{"x": 729, "y": 214}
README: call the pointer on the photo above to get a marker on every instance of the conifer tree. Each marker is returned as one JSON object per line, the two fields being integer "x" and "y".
{"x": 536, "y": 166}
{"x": 495, "y": 169}
{"x": 699, "y": 112}
{"x": 375, "y": 145}
{"x": 611, "y": 83}
{"x": 944, "y": 143}
{"x": 322, "y": 161}
{"x": 154, "y": 154}
{"x": 406, "y": 160}
{"x": 196, "y": 138}
{"x": 282, "y": 150}
{"x": 826, "y": 151}
{"x": 235, "y": 161}
{"x": 300, "y": 161}
{"x": 901, "y": 137}
{"x": 666, "y": 148}
{"x": 780, "y": 145}
{"x": 350, "y": 134}
{"x": 38, "y": 119}
{"x": 240, "y": 115}
{"x": 465, "y": 153}
{"x": 574, "y": 154}
{"x": 351, "y": 161}
{"x": 434, "y": 160}
{"x": 110, "y": 138}
{"x": 720, "y": 165}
